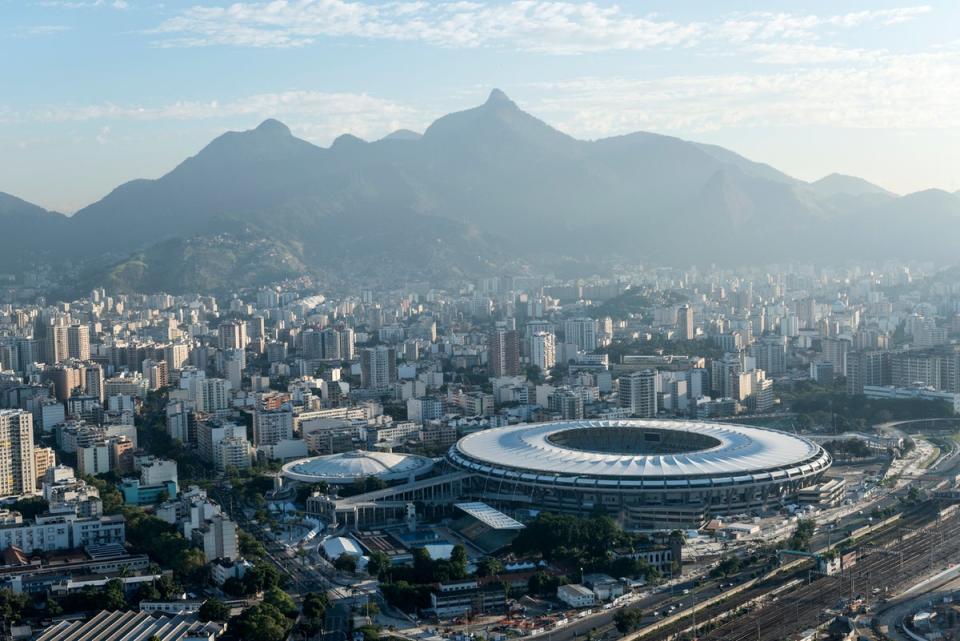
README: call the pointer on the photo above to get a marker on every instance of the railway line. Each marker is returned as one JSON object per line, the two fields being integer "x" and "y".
{"x": 879, "y": 569}
{"x": 802, "y": 598}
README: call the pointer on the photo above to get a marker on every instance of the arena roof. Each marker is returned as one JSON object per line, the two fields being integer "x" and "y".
{"x": 348, "y": 466}
{"x": 638, "y": 449}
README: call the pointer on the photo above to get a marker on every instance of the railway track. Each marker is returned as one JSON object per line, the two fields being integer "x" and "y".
{"x": 880, "y": 569}
{"x": 771, "y": 610}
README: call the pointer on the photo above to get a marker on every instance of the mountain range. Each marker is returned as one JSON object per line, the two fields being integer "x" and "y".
{"x": 478, "y": 192}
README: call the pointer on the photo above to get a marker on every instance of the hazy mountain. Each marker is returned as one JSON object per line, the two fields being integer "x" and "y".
{"x": 25, "y": 226}
{"x": 478, "y": 188}
{"x": 835, "y": 184}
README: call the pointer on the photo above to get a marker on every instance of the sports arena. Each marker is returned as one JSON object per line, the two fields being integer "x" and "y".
{"x": 649, "y": 474}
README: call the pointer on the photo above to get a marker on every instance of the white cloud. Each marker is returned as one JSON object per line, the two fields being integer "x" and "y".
{"x": 315, "y": 115}
{"x": 547, "y": 26}
{"x": 897, "y": 92}
{"x": 788, "y": 53}
{"x": 41, "y": 30}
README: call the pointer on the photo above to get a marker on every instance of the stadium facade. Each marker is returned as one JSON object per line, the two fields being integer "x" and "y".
{"x": 649, "y": 474}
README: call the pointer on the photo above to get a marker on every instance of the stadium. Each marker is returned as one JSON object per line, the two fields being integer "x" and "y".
{"x": 649, "y": 474}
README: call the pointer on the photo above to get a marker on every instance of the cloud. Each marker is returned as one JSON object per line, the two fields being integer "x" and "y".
{"x": 317, "y": 116}
{"x": 84, "y": 4}
{"x": 895, "y": 92}
{"x": 41, "y": 30}
{"x": 544, "y": 26}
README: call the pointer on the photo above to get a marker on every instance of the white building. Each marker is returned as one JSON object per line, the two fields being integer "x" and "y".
{"x": 272, "y": 426}
{"x": 543, "y": 351}
{"x": 576, "y": 595}
{"x": 638, "y": 393}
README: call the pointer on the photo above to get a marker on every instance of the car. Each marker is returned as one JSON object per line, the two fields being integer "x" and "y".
{"x": 686, "y": 591}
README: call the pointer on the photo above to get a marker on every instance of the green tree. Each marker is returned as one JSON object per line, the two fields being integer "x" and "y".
{"x": 113, "y": 597}
{"x": 262, "y": 622}
{"x": 346, "y": 563}
{"x": 315, "y": 605}
{"x": 12, "y": 605}
{"x": 627, "y": 619}
{"x": 214, "y": 610}
{"x": 281, "y": 601}
{"x": 378, "y": 563}
{"x": 30, "y": 507}
{"x": 489, "y": 566}
{"x": 458, "y": 561}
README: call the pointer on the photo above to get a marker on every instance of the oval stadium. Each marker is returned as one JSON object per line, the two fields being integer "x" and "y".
{"x": 649, "y": 474}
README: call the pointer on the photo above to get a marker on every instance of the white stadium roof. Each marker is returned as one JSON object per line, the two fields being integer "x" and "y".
{"x": 701, "y": 449}
{"x": 348, "y": 466}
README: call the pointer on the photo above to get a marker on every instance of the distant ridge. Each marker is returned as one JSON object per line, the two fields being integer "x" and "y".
{"x": 480, "y": 190}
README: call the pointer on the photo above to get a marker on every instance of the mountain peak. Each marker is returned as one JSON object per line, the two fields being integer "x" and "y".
{"x": 273, "y": 126}
{"x": 497, "y": 97}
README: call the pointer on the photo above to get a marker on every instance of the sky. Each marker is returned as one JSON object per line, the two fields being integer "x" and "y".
{"x": 94, "y": 93}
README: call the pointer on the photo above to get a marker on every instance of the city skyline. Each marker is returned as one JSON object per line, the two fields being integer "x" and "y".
{"x": 121, "y": 90}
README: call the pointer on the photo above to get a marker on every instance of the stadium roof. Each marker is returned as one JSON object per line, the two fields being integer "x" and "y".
{"x": 490, "y": 517}
{"x": 644, "y": 450}
{"x": 348, "y": 466}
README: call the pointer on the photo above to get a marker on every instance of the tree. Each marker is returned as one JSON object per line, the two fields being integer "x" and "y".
{"x": 110, "y": 496}
{"x": 262, "y": 622}
{"x": 147, "y": 592}
{"x": 214, "y": 610}
{"x": 260, "y": 578}
{"x": 627, "y": 619}
{"x": 234, "y": 587}
{"x": 281, "y": 601}
{"x": 113, "y": 597}
{"x": 250, "y": 547}
{"x": 315, "y": 605}
{"x": 346, "y": 563}
{"x": 378, "y": 563}
{"x": 190, "y": 564}
{"x": 489, "y": 566}
{"x": 458, "y": 561}
{"x": 12, "y": 605}
{"x": 30, "y": 507}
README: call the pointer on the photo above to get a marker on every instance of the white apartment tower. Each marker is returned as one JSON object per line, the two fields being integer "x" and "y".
{"x": 543, "y": 351}
{"x": 638, "y": 393}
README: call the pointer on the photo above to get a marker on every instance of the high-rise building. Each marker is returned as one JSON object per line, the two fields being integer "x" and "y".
{"x": 504, "y": 352}
{"x": 685, "y": 322}
{"x": 232, "y": 335}
{"x": 330, "y": 344}
{"x": 867, "y": 368}
{"x": 771, "y": 354}
{"x": 93, "y": 380}
{"x": 57, "y": 343}
{"x": 78, "y": 342}
{"x": 835, "y": 352}
{"x": 272, "y": 426}
{"x": 347, "y": 341}
{"x": 18, "y": 472}
{"x": 378, "y": 367}
{"x": 581, "y": 332}
{"x": 638, "y": 393}
{"x": 543, "y": 351}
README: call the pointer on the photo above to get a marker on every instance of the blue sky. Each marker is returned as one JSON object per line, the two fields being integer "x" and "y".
{"x": 95, "y": 93}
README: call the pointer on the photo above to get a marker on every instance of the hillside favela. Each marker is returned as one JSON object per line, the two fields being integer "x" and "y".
{"x": 501, "y": 320}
